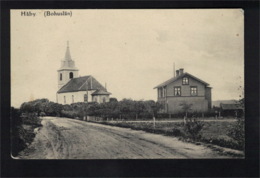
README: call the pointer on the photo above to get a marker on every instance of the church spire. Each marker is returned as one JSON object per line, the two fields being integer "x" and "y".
{"x": 67, "y": 63}
{"x": 67, "y": 54}
{"x": 67, "y": 71}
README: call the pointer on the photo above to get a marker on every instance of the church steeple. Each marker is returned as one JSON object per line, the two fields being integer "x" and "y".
{"x": 67, "y": 63}
{"x": 67, "y": 54}
{"x": 67, "y": 70}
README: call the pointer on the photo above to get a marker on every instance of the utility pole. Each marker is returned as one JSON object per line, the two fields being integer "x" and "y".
{"x": 173, "y": 69}
{"x": 86, "y": 95}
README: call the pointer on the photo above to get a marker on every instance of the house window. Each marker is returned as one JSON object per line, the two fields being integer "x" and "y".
{"x": 104, "y": 100}
{"x": 60, "y": 76}
{"x": 185, "y": 81}
{"x": 72, "y": 98}
{"x": 193, "y": 91}
{"x": 160, "y": 92}
{"x": 164, "y": 92}
{"x": 71, "y": 75}
{"x": 177, "y": 91}
{"x": 64, "y": 99}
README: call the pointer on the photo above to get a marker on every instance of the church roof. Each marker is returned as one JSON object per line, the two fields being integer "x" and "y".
{"x": 81, "y": 84}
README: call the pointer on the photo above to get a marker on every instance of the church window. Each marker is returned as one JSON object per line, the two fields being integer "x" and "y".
{"x": 104, "y": 100}
{"x": 64, "y": 99}
{"x": 71, "y": 75}
{"x": 72, "y": 99}
{"x": 60, "y": 76}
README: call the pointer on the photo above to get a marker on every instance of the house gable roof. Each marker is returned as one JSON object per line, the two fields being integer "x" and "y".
{"x": 177, "y": 78}
{"x": 81, "y": 84}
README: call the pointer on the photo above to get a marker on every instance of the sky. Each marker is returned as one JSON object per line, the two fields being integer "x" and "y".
{"x": 130, "y": 50}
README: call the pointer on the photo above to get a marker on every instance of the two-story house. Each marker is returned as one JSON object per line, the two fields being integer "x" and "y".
{"x": 184, "y": 88}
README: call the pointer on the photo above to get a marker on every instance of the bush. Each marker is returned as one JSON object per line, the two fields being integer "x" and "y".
{"x": 17, "y": 143}
{"x": 176, "y": 132}
{"x": 237, "y": 132}
{"x": 222, "y": 142}
{"x": 42, "y": 114}
{"x": 193, "y": 127}
{"x": 20, "y": 136}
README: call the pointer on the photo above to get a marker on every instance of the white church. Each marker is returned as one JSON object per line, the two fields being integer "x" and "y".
{"x": 73, "y": 89}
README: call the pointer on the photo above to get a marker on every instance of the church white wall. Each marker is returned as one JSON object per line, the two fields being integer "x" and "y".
{"x": 78, "y": 97}
{"x": 101, "y": 98}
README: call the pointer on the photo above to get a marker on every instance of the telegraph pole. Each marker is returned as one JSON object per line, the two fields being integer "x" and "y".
{"x": 173, "y": 69}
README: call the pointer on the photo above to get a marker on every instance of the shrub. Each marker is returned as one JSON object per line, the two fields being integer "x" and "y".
{"x": 176, "y": 132}
{"x": 237, "y": 132}
{"x": 42, "y": 114}
{"x": 17, "y": 143}
{"x": 20, "y": 136}
{"x": 222, "y": 142}
{"x": 193, "y": 127}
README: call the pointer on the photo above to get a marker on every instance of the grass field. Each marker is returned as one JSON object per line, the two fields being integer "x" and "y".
{"x": 213, "y": 132}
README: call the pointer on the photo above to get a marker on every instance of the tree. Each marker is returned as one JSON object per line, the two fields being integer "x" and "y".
{"x": 113, "y": 100}
{"x": 186, "y": 108}
{"x": 138, "y": 108}
{"x": 237, "y": 132}
{"x": 127, "y": 108}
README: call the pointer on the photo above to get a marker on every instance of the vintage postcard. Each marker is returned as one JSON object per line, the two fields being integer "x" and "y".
{"x": 127, "y": 83}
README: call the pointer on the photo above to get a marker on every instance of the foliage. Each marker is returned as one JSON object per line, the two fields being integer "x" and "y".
{"x": 186, "y": 107}
{"x": 17, "y": 143}
{"x": 176, "y": 132}
{"x": 20, "y": 136}
{"x": 41, "y": 106}
{"x": 193, "y": 127}
{"x": 209, "y": 133}
{"x": 237, "y": 132}
{"x": 222, "y": 142}
{"x": 125, "y": 109}
{"x": 112, "y": 100}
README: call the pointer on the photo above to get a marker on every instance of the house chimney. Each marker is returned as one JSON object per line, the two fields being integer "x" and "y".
{"x": 181, "y": 71}
{"x": 177, "y": 73}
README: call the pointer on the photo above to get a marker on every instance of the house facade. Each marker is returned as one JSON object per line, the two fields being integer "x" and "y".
{"x": 184, "y": 88}
{"x": 73, "y": 89}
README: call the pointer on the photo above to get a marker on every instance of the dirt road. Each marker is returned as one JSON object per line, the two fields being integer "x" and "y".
{"x": 62, "y": 138}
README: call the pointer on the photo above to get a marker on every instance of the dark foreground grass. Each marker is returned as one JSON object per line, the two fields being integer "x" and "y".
{"x": 213, "y": 132}
{"x": 22, "y": 132}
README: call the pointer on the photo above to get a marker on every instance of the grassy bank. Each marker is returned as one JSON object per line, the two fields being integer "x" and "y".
{"x": 213, "y": 132}
{"x": 22, "y": 132}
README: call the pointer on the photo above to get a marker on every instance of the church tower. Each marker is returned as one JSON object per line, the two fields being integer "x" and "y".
{"x": 67, "y": 70}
